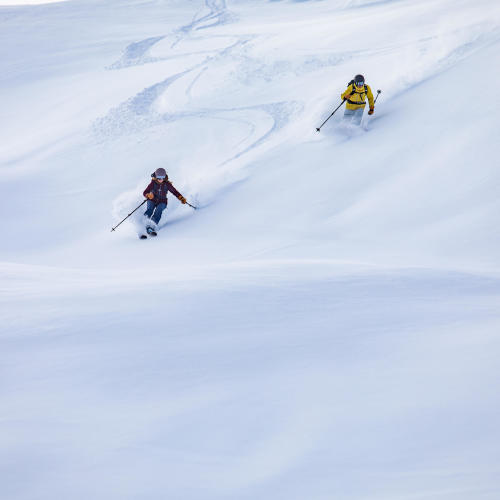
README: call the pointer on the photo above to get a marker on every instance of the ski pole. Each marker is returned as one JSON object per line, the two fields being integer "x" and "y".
{"x": 319, "y": 128}
{"x": 192, "y": 206}
{"x": 112, "y": 229}
{"x": 378, "y": 93}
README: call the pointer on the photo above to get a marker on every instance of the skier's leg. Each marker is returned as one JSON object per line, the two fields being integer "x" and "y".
{"x": 358, "y": 115}
{"x": 348, "y": 114}
{"x": 150, "y": 208}
{"x": 158, "y": 211}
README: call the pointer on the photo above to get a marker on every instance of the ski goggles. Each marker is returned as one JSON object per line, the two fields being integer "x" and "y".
{"x": 359, "y": 84}
{"x": 160, "y": 177}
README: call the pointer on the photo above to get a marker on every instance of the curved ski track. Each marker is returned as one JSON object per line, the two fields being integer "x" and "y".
{"x": 138, "y": 113}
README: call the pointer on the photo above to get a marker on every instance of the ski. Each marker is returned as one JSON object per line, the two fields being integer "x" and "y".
{"x": 149, "y": 232}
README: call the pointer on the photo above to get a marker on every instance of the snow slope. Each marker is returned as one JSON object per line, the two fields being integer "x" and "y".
{"x": 327, "y": 326}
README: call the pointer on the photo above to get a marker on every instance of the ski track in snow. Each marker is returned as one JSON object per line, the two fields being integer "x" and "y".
{"x": 136, "y": 53}
{"x": 218, "y": 15}
{"x": 138, "y": 114}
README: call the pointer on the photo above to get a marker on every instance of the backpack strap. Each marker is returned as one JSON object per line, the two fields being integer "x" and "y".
{"x": 365, "y": 91}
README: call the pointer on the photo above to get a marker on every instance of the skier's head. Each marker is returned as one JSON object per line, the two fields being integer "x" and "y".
{"x": 359, "y": 80}
{"x": 160, "y": 175}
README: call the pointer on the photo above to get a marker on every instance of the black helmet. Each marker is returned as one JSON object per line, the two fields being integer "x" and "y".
{"x": 359, "y": 80}
{"x": 160, "y": 173}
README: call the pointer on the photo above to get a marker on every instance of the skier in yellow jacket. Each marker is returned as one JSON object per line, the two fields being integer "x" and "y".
{"x": 355, "y": 97}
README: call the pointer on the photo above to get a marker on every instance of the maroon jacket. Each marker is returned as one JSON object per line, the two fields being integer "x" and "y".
{"x": 160, "y": 191}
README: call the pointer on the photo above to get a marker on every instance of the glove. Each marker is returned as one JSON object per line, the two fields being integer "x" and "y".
{"x": 182, "y": 200}
{"x": 150, "y": 196}
{"x": 371, "y": 111}
{"x": 347, "y": 97}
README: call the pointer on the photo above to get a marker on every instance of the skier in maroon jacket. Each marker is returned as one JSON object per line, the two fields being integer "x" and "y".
{"x": 156, "y": 193}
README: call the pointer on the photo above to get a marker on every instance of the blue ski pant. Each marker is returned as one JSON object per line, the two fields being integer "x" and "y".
{"x": 154, "y": 211}
{"x": 353, "y": 116}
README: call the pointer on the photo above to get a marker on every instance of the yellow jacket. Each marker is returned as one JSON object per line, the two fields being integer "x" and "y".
{"x": 357, "y": 97}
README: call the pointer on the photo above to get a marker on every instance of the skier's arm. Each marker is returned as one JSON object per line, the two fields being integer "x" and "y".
{"x": 176, "y": 193}
{"x": 148, "y": 191}
{"x": 369, "y": 94}
{"x": 347, "y": 93}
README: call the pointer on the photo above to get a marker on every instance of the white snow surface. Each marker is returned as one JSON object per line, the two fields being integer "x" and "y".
{"x": 326, "y": 326}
